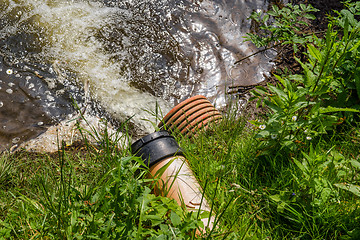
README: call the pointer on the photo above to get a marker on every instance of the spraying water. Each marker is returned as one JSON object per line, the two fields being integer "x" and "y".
{"x": 125, "y": 56}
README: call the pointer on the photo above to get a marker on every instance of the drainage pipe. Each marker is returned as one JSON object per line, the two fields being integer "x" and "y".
{"x": 166, "y": 161}
{"x": 190, "y": 116}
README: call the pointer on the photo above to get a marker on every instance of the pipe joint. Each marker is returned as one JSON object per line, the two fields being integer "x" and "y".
{"x": 156, "y": 147}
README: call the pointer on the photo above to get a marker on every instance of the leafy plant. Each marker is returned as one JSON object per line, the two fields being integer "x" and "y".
{"x": 316, "y": 169}
{"x": 281, "y": 26}
{"x": 315, "y": 197}
{"x": 305, "y": 105}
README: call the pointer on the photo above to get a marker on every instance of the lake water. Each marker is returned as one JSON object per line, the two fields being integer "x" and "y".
{"x": 122, "y": 59}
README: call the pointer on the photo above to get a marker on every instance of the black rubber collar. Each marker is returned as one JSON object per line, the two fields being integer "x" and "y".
{"x": 155, "y": 147}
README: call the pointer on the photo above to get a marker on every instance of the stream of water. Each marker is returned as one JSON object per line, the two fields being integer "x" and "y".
{"x": 123, "y": 57}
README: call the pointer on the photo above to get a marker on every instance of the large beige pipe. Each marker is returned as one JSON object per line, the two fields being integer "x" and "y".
{"x": 174, "y": 178}
{"x": 177, "y": 181}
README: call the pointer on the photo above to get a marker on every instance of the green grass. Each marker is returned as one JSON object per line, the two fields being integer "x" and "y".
{"x": 99, "y": 192}
{"x": 86, "y": 192}
{"x": 272, "y": 195}
{"x": 92, "y": 192}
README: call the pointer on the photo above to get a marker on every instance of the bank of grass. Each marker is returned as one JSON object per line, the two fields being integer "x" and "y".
{"x": 99, "y": 192}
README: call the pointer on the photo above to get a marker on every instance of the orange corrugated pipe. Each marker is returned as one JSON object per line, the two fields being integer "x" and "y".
{"x": 190, "y": 116}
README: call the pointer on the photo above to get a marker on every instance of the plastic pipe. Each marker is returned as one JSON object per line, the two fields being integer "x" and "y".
{"x": 190, "y": 116}
{"x": 166, "y": 161}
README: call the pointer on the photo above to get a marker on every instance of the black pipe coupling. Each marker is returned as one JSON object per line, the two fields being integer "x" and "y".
{"x": 155, "y": 147}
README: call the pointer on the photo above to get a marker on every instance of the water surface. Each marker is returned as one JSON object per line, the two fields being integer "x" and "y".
{"x": 118, "y": 56}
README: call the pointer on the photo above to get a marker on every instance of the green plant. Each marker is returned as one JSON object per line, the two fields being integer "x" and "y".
{"x": 281, "y": 26}
{"x": 316, "y": 169}
{"x": 305, "y": 105}
{"x": 315, "y": 196}
{"x": 118, "y": 207}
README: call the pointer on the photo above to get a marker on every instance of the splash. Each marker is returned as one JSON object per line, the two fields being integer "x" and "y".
{"x": 128, "y": 57}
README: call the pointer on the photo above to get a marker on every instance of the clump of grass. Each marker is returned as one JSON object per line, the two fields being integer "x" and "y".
{"x": 96, "y": 192}
{"x": 5, "y": 170}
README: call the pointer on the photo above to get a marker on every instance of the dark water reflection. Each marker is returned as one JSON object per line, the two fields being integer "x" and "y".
{"x": 128, "y": 55}
{"x": 30, "y": 101}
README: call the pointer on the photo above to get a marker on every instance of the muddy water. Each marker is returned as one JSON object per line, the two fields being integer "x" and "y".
{"x": 124, "y": 56}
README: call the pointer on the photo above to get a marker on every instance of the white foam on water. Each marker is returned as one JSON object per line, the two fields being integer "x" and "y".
{"x": 70, "y": 28}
